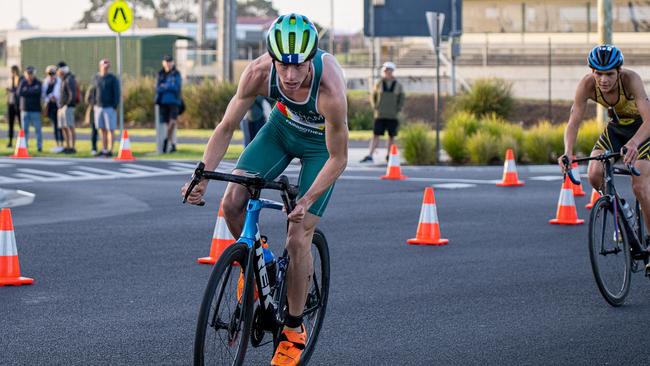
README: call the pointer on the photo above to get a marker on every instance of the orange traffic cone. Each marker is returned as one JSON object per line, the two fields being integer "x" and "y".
{"x": 566, "y": 206}
{"x": 221, "y": 239}
{"x": 594, "y": 197}
{"x": 510, "y": 177}
{"x": 577, "y": 188}
{"x": 394, "y": 171}
{"x": 428, "y": 228}
{"x": 9, "y": 267}
{"x": 125, "y": 148}
{"x": 21, "y": 147}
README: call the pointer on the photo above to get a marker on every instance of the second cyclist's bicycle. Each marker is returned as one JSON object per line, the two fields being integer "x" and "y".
{"x": 246, "y": 295}
{"x": 618, "y": 239}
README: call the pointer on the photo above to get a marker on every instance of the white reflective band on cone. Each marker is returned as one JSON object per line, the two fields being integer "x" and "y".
{"x": 429, "y": 214}
{"x": 8, "y": 244}
{"x": 566, "y": 198}
{"x": 221, "y": 230}
{"x": 126, "y": 144}
{"x": 393, "y": 160}
{"x": 510, "y": 166}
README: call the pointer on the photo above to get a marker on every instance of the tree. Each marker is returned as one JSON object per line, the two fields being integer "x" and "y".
{"x": 256, "y": 8}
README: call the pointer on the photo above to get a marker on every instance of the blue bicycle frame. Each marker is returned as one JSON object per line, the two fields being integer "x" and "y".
{"x": 251, "y": 237}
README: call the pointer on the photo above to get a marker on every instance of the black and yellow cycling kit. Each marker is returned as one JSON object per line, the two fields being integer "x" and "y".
{"x": 294, "y": 130}
{"x": 623, "y": 126}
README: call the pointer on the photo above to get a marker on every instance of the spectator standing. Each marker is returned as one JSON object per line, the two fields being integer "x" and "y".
{"x": 13, "y": 108}
{"x": 107, "y": 98}
{"x": 387, "y": 100}
{"x": 51, "y": 93}
{"x": 254, "y": 119}
{"x": 67, "y": 102}
{"x": 29, "y": 92}
{"x": 168, "y": 97}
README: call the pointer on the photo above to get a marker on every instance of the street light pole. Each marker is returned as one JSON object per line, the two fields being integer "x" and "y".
{"x": 604, "y": 36}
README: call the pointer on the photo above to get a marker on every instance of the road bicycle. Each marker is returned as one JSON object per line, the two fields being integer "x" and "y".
{"x": 618, "y": 239}
{"x": 230, "y": 316}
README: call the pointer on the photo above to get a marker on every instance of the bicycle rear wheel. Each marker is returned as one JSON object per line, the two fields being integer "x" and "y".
{"x": 224, "y": 324}
{"x": 317, "y": 297}
{"x": 609, "y": 252}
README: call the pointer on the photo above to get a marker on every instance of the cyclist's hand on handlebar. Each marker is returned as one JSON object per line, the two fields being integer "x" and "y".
{"x": 562, "y": 162}
{"x": 630, "y": 152}
{"x": 196, "y": 197}
{"x": 298, "y": 213}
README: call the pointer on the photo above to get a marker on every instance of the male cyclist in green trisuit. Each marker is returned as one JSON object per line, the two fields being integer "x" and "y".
{"x": 309, "y": 122}
{"x": 622, "y": 92}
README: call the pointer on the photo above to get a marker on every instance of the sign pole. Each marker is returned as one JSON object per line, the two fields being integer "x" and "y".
{"x": 437, "y": 45}
{"x": 119, "y": 18}
{"x": 118, "y": 41}
{"x": 435, "y": 22}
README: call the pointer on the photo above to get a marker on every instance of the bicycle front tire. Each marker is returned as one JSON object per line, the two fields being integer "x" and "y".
{"x": 225, "y": 319}
{"x": 605, "y": 241}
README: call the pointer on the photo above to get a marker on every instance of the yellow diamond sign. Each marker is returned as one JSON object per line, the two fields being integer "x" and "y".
{"x": 120, "y": 16}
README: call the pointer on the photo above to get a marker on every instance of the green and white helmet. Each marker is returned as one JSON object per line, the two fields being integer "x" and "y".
{"x": 292, "y": 39}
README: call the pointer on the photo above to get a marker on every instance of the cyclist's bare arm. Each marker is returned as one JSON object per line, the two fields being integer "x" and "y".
{"x": 634, "y": 85}
{"x": 583, "y": 92}
{"x": 332, "y": 104}
{"x": 251, "y": 84}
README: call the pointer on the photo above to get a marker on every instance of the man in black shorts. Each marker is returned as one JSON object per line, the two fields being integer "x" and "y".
{"x": 387, "y": 100}
{"x": 168, "y": 97}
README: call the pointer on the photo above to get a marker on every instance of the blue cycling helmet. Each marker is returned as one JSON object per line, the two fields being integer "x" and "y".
{"x": 605, "y": 57}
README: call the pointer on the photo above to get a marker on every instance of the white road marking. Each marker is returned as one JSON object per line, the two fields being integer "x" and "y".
{"x": 547, "y": 178}
{"x": 34, "y": 162}
{"x": 40, "y": 173}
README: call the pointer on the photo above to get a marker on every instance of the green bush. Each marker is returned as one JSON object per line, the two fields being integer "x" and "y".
{"x": 543, "y": 143}
{"x": 138, "y": 99}
{"x": 205, "y": 103}
{"x": 418, "y": 146}
{"x": 360, "y": 115}
{"x": 483, "y": 147}
{"x": 587, "y": 136}
{"x": 507, "y": 135}
{"x": 486, "y": 96}
{"x": 454, "y": 140}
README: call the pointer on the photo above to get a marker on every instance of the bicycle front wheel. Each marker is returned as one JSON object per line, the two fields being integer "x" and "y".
{"x": 609, "y": 252}
{"x": 316, "y": 303}
{"x": 226, "y": 314}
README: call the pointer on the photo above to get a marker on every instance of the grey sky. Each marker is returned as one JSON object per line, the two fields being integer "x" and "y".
{"x": 62, "y": 14}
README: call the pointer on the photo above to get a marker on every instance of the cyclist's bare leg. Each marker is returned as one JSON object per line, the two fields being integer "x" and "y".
{"x": 595, "y": 171}
{"x": 235, "y": 199}
{"x": 641, "y": 187}
{"x": 301, "y": 264}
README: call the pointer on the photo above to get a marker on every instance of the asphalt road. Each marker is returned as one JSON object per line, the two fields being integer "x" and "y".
{"x": 117, "y": 283}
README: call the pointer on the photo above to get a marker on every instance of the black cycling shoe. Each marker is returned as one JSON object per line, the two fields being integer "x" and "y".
{"x": 367, "y": 159}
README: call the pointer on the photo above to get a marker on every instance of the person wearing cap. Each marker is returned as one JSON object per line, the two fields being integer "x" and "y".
{"x": 67, "y": 102}
{"x": 13, "y": 108}
{"x": 387, "y": 100}
{"x": 51, "y": 93}
{"x": 29, "y": 92}
{"x": 168, "y": 97}
{"x": 106, "y": 90}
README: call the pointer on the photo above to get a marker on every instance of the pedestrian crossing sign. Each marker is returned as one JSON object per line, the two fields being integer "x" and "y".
{"x": 120, "y": 16}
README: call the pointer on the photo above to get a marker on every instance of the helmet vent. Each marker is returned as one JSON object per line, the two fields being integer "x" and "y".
{"x": 278, "y": 40}
{"x": 292, "y": 42}
{"x": 305, "y": 41}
